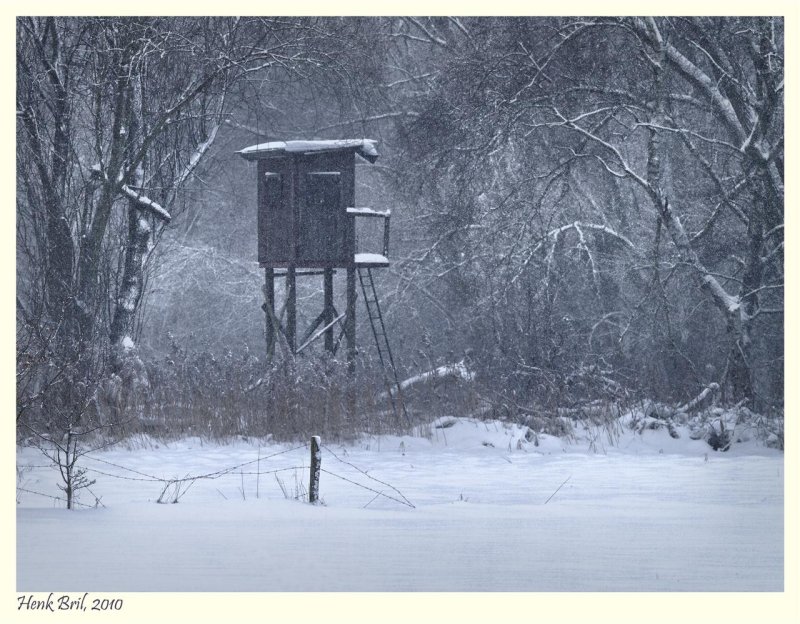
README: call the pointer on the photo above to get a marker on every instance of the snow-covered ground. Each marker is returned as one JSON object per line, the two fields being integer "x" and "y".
{"x": 492, "y": 512}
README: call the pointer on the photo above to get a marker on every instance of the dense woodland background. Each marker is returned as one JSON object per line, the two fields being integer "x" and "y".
{"x": 588, "y": 212}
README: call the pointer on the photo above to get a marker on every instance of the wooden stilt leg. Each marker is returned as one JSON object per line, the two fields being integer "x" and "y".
{"x": 328, "y": 309}
{"x": 269, "y": 302}
{"x": 350, "y": 321}
{"x": 291, "y": 309}
{"x": 350, "y": 336}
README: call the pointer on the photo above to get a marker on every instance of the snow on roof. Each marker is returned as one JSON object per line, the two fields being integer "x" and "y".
{"x": 367, "y": 148}
{"x": 371, "y": 258}
{"x": 369, "y": 212}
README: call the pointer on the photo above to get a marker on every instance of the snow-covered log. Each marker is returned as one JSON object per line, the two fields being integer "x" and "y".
{"x": 711, "y": 389}
{"x": 458, "y": 370}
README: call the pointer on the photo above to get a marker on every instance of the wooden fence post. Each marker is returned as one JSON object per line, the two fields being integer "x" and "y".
{"x": 316, "y": 461}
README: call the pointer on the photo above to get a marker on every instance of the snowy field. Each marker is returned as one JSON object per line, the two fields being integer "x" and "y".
{"x": 647, "y": 513}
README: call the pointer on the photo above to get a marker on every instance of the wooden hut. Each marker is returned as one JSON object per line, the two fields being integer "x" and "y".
{"x": 306, "y": 225}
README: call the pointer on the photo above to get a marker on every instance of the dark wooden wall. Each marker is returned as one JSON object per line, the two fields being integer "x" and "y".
{"x": 302, "y": 218}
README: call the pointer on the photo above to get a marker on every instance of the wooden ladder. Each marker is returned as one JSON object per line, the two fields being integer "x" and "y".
{"x": 390, "y": 378}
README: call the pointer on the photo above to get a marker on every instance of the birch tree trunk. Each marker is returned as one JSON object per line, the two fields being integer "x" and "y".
{"x": 747, "y": 121}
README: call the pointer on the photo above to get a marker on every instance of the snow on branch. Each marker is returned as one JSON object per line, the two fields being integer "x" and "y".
{"x": 576, "y": 225}
{"x": 605, "y": 229}
{"x": 585, "y": 248}
{"x": 688, "y": 133}
{"x": 701, "y": 80}
{"x": 381, "y": 117}
{"x": 628, "y": 171}
{"x": 146, "y": 203}
{"x": 728, "y": 302}
{"x": 198, "y": 154}
{"x": 430, "y": 36}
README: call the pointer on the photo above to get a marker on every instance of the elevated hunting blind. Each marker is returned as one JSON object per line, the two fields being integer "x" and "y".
{"x": 307, "y": 226}
{"x": 306, "y": 202}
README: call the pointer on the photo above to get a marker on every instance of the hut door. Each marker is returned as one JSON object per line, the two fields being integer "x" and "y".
{"x": 321, "y": 235}
{"x": 274, "y": 220}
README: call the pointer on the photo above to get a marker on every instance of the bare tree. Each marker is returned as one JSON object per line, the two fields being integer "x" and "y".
{"x": 109, "y": 109}
{"x": 562, "y": 150}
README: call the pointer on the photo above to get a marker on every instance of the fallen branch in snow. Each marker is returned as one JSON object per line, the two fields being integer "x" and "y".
{"x": 711, "y": 389}
{"x": 458, "y": 370}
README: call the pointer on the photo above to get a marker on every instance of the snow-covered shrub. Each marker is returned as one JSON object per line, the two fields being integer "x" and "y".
{"x": 719, "y": 427}
{"x": 542, "y": 424}
{"x": 651, "y": 415}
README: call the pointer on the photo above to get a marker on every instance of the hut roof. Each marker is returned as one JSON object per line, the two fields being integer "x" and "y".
{"x": 366, "y": 148}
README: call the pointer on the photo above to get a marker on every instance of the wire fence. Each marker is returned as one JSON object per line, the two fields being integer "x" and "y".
{"x": 175, "y": 488}
{"x": 55, "y": 498}
{"x": 405, "y": 501}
